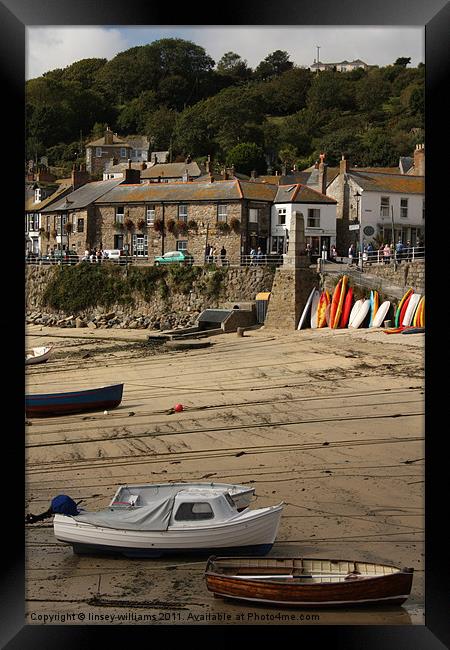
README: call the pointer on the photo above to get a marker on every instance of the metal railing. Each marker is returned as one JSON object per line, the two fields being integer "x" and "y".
{"x": 141, "y": 260}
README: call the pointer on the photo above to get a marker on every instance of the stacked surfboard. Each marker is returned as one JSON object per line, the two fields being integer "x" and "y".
{"x": 338, "y": 311}
{"x": 410, "y": 314}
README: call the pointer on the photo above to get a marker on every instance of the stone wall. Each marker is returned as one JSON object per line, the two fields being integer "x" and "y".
{"x": 290, "y": 291}
{"x": 239, "y": 285}
{"x": 407, "y": 274}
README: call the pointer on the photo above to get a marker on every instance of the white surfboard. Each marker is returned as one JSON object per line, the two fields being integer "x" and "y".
{"x": 381, "y": 314}
{"x": 361, "y": 314}
{"x": 356, "y": 307}
{"x": 314, "y": 305}
{"x": 306, "y": 310}
{"x": 411, "y": 308}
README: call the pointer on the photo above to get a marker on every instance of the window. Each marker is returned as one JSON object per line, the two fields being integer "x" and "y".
{"x": 120, "y": 213}
{"x": 182, "y": 245}
{"x": 404, "y": 208}
{"x": 384, "y": 206}
{"x": 33, "y": 222}
{"x": 80, "y": 225}
{"x": 37, "y": 195}
{"x": 194, "y": 512}
{"x": 140, "y": 245}
{"x": 150, "y": 215}
{"x": 277, "y": 245}
{"x": 253, "y": 215}
{"x": 182, "y": 212}
{"x": 313, "y": 218}
{"x": 222, "y": 211}
{"x": 98, "y": 152}
{"x": 281, "y": 216}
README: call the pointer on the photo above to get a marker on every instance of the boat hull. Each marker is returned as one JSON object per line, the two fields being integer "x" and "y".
{"x": 252, "y": 532}
{"x": 391, "y": 589}
{"x": 41, "y": 356}
{"x": 46, "y": 405}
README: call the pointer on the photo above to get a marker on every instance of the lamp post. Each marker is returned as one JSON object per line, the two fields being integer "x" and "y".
{"x": 358, "y": 197}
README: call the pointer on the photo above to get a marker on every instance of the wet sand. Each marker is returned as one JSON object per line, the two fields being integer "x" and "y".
{"x": 330, "y": 422}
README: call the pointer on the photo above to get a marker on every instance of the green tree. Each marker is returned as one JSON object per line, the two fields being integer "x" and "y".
{"x": 233, "y": 66}
{"x": 246, "y": 157}
{"x": 160, "y": 127}
{"x": 274, "y": 64}
{"x": 403, "y": 61}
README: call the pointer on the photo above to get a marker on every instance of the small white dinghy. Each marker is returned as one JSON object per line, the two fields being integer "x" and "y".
{"x": 37, "y": 355}
{"x": 150, "y": 521}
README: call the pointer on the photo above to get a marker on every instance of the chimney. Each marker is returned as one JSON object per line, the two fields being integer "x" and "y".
{"x": 344, "y": 165}
{"x": 108, "y": 136}
{"x": 211, "y": 177}
{"x": 208, "y": 164}
{"x": 131, "y": 176}
{"x": 225, "y": 174}
{"x": 322, "y": 175}
{"x": 253, "y": 174}
{"x": 316, "y": 165}
{"x": 419, "y": 160}
{"x": 143, "y": 166}
{"x": 79, "y": 177}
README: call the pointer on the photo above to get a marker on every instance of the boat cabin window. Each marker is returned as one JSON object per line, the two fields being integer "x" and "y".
{"x": 230, "y": 500}
{"x": 194, "y": 512}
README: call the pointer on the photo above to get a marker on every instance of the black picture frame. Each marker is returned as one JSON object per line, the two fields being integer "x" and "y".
{"x": 434, "y": 16}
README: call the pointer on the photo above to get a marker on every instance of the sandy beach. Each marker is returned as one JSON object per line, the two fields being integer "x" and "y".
{"x": 331, "y": 422}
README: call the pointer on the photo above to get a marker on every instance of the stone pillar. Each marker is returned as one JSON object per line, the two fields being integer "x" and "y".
{"x": 292, "y": 282}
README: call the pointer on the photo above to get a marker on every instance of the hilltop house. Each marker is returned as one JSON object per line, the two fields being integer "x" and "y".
{"x": 340, "y": 66}
{"x": 101, "y": 152}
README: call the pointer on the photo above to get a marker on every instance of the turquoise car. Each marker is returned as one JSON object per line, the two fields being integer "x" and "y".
{"x": 180, "y": 257}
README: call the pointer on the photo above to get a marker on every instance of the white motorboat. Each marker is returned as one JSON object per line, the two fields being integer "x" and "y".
{"x": 188, "y": 520}
{"x": 37, "y": 355}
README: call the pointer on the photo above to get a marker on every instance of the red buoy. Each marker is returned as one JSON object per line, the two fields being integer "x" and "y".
{"x": 178, "y": 408}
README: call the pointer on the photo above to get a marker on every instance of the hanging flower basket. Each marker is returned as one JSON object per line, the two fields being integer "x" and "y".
{"x": 223, "y": 227}
{"x": 141, "y": 224}
{"x": 171, "y": 225}
{"x": 54, "y": 234}
{"x": 129, "y": 225}
{"x": 158, "y": 225}
{"x": 182, "y": 227}
{"x": 192, "y": 225}
{"x": 235, "y": 225}
{"x": 68, "y": 227}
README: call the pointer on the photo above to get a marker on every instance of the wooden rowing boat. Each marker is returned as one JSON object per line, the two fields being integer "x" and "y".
{"x": 307, "y": 582}
{"x": 94, "y": 399}
{"x": 37, "y": 355}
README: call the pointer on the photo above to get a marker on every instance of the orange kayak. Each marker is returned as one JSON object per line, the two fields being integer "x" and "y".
{"x": 324, "y": 301}
{"x": 338, "y": 312}
{"x": 348, "y": 302}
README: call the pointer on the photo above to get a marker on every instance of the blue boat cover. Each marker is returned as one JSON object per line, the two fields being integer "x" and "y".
{"x": 64, "y": 505}
{"x": 155, "y": 516}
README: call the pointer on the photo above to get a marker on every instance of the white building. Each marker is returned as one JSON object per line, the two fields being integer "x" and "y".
{"x": 340, "y": 66}
{"x": 319, "y": 213}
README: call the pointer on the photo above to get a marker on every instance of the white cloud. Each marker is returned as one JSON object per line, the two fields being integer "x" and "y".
{"x": 48, "y": 48}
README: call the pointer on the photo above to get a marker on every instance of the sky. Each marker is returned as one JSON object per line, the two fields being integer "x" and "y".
{"x": 53, "y": 47}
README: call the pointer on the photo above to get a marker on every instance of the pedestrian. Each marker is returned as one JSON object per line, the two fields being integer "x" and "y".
{"x": 92, "y": 256}
{"x": 370, "y": 252}
{"x": 351, "y": 253}
{"x": 105, "y": 255}
{"x": 387, "y": 254}
{"x": 99, "y": 256}
{"x": 259, "y": 255}
{"x": 399, "y": 250}
{"x": 407, "y": 252}
{"x": 252, "y": 255}
{"x": 86, "y": 256}
{"x": 213, "y": 254}
{"x": 223, "y": 255}
{"x": 333, "y": 253}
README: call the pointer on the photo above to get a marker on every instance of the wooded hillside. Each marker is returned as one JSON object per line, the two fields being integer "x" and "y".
{"x": 173, "y": 92}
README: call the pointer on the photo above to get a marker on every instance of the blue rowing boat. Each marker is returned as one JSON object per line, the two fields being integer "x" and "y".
{"x": 94, "y": 399}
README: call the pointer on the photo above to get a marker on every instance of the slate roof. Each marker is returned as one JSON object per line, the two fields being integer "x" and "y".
{"x": 171, "y": 170}
{"x": 376, "y": 182}
{"x": 232, "y": 190}
{"x": 31, "y": 206}
{"x": 298, "y": 193}
{"x": 84, "y": 195}
{"x": 101, "y": 142}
